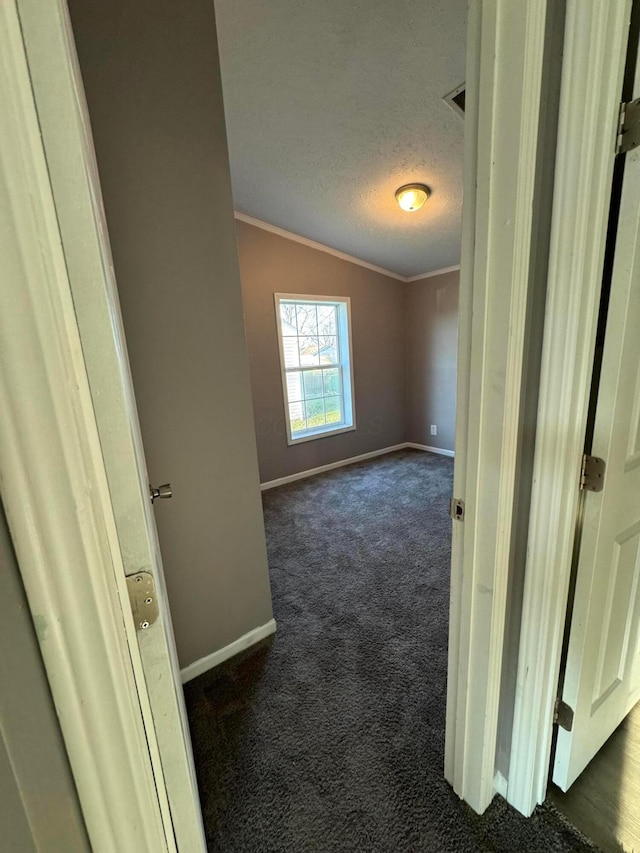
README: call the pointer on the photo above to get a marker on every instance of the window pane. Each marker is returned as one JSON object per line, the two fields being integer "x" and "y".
{"x": 307, "y": 320}
{"x": 331, "y": 379}
{"x": 315, "y": 413}
{"x": 288, "y": 319}
{"x": 333, "y": 409}
{"x": 327, "y": 320}
{"x": 290, "y": 349}
{"x": 328, "y": 349}
{"x": 308, "y": 352}
{"x": 312, "y": 384}
{"x": 316, "y": 363}
{"x": 294, "y": 387}
{"x": 296, "y": 417}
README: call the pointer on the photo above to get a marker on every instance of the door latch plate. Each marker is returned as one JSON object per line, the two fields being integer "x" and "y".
{"x": 142, "y": 597}
{"x": 456, "y": 509}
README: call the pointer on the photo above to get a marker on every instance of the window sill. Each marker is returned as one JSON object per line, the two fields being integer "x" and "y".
{"x": 323, "y": 433}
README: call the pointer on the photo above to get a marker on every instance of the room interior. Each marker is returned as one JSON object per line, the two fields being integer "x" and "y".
{"x": 342, "y": 534}
{"x": 404, "y": 342}
{"x": 348, "y": 114}
{"x": 398, "y": 270}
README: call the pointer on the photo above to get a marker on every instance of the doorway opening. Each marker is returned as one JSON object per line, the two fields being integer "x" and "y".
{"x": 167, "y": 240}
{"x": 350, "y": 305}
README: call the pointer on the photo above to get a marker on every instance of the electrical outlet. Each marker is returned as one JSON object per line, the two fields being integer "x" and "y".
{"x": 434, "y": 429}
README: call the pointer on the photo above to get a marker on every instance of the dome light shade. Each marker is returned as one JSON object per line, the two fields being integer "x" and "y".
{"x": 412, "y": 196}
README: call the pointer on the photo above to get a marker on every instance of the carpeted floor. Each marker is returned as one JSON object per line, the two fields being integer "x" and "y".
{"x": 331, "y": 737}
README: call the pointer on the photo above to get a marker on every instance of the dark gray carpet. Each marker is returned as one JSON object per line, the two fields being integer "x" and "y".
{"x": 331, "y": 738}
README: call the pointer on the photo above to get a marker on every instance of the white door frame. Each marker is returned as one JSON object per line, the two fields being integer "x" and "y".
{"x": 56, "y": 496}
{"x": 52, "y": 468}
{"x": 68, "y": 146}
{"x": 595, "y": 50}
{"x": 505, "y": 57}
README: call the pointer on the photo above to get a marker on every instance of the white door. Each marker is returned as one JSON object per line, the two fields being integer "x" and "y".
{"x": 66, "y": 137}
{"x": 602, "y": 681}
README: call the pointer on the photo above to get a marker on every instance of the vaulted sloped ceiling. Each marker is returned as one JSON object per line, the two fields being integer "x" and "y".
{"x": 331, "y": 105}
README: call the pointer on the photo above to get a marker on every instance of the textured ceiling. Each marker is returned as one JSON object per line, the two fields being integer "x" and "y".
{"x": 333, "y": 104}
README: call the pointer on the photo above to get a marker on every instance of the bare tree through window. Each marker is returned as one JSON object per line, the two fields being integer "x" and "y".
{"x": 314, "y": 362}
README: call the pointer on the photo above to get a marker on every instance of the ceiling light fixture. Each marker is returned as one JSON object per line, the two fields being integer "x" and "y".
{"x": 412, "y": 196}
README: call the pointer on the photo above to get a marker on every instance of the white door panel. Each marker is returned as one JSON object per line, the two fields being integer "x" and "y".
{"x": 602, "y": 680}
{"x": 67, "y": 140}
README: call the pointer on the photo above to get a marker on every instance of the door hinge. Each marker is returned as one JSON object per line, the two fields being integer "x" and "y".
{"x": 628, "y": 136}
{"x": 456, "y": 509}
{"x": 592, "y": 473}
{"x": 142, "y": 597}
{"x": 563, "y": 715}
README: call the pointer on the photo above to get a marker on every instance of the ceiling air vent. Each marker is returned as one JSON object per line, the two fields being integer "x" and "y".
{"x": 455, "y": 99}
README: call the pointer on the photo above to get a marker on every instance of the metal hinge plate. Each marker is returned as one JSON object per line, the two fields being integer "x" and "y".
{"x": 592, "y": 474}
{"x": 628, "y": 136}
{"x": 142, "y": 597}
{"x": 563, "y": 715}
{"x": 456, "y": 509}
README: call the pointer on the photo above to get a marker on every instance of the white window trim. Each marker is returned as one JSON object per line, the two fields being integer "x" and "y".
{"x": 348, "y": 383}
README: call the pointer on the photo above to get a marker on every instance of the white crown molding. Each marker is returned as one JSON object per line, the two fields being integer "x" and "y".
{"x": 443, "y": 271}
{"x": 313, "y": 244}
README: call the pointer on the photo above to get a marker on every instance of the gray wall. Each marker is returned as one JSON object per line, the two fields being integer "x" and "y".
{"x": 270, "y": 264}
{"x": 152, "y": 79}
{"x": 39, "y": 808}
{"x": 432, "y": 352}
{"x": 404, "y": 351}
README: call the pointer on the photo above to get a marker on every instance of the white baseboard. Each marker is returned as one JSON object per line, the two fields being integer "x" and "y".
{"x": 301, "y": 475}
{"x": 249, "y": 639}
{"x": 426, "y": 447}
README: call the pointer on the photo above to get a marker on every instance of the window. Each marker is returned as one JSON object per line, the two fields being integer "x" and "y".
{"x": 314, "y": 333}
